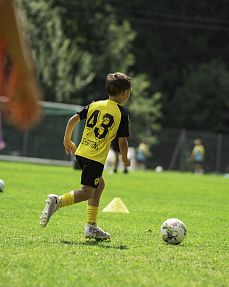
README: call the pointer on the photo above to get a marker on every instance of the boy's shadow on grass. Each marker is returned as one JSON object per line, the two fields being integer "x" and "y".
{"x": 96, "y": 243}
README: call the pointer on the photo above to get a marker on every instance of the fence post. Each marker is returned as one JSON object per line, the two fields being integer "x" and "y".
{"x": 178, "y": 149}
{"x": 25, "y": 143}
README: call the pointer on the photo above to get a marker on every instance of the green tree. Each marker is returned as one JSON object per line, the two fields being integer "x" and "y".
{"x": 76, "y": 44}
{"x": 202, "y": 101}
{"x": 145, "y": 110}
{"x": 54, "y": 53}
{"x": 94, "y": 27}
{"x": 171, "y": 36}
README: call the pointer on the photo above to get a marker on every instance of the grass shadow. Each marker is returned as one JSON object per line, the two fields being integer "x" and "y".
{"x": 96, "y": 243}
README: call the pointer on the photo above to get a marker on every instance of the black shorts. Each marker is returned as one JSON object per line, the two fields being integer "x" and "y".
{"x": 91, "y": 171}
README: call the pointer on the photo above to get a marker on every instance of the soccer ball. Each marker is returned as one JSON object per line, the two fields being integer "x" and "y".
{"x": 159, "y": 168}
{"x": 2, "y": 184}
{"x": 173, "y": 231}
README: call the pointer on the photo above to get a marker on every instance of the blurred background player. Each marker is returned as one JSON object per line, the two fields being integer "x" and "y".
{"x": 19, "y": 93}
{"x": 197, "y": 156}
{"x": 115, "y": 147}
{"x": 142, "y": 153}
{"x": 104, "y": 120}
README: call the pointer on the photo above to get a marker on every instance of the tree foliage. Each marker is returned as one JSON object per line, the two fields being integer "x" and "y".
{"x": 203, "y": 98}
{"x": 76, "y": 44}
{"x": 167, "y": 47}
{"x": 55, "y": 54}
{"x": 146, "y": 111}
{"x": 74, "y": 53}
{"x": 171, "y": 37}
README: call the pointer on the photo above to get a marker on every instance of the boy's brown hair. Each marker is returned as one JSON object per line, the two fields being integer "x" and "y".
{"x": 117, "y": 83}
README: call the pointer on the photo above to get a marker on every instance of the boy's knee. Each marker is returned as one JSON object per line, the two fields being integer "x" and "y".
{"x": 101, "y": 185}
{"x": 89, "y": 191}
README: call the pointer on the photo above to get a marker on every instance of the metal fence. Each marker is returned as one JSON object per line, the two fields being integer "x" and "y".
{"x": 174, "y": 148}
{"x": 172, "y": 152}
{"x": 46, "y": 139}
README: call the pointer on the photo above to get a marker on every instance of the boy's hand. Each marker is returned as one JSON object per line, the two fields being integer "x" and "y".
{"x": 126, "y": 162}
{"x": 69, "y": 146}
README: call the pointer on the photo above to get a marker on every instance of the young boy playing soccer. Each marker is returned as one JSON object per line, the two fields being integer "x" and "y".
{"x": 104, "y": 120}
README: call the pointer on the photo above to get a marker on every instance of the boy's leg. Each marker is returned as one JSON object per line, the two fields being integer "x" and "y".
{"x": 93, "y": 202}
{"x": 92, "y": 230}
{"x": 95, "y": 199}
{"x": 53, "y": 202}
{"x": 116, "y": 161}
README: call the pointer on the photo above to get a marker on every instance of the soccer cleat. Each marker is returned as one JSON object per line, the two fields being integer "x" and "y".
{"x": 50, "y": 207}
{"x": 95, "y": 232}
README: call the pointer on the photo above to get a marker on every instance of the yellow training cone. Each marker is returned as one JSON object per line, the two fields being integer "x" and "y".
{"x": 116, "y": 205}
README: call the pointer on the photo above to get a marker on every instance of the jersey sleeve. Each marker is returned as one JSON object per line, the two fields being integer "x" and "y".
{"x": 123, "y": 130}
{"x": 83, "y": 113}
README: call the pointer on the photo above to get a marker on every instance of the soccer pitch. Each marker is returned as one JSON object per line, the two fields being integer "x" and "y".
{"x": 58, "y": 255}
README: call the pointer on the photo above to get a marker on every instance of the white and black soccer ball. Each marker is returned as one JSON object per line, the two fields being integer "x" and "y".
{"x": 2, "y": 185}
{"x": 173, "y": 231}
{"x": 159, "y": 168}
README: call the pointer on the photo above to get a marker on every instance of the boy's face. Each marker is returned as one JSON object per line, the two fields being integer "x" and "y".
{"x": 125, "y": 96}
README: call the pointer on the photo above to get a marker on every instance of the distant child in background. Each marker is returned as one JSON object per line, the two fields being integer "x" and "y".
{"x": 197, "y": 156}
{"x": 104, "y": 120}
{"x": 142, "y": 153}
{"x": 115, "y": 147}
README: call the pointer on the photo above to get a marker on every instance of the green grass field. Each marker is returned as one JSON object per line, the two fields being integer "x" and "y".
{"x": 58, "y": 255}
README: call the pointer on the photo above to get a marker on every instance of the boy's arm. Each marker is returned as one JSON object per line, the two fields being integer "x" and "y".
{"x": 68, "y": 143}
{"x": 123, "y": 146}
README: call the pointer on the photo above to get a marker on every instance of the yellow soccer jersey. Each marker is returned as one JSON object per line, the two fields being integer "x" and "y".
{"x": 104, "y": 120}
{"x": 198, "y": 153}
